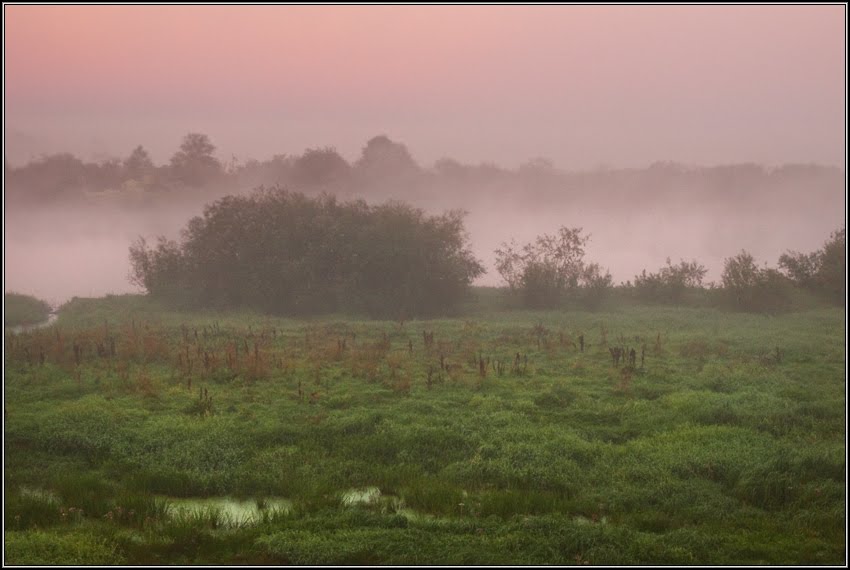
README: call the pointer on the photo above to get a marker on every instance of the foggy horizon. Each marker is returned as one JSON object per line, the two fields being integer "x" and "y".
{"x": 610, "y": 92}
{"x": 39, "y": 148}
{"x": 584, "y": 86}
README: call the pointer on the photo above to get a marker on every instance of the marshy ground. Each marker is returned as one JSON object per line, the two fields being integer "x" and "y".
{"x": 137, "y": 435}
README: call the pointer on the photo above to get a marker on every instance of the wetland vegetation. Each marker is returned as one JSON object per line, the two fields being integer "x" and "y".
{"x": 502, "y": 436}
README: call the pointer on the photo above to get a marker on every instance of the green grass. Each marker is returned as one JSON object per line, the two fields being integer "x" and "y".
{"x": 23, "y": 310}
{"x": 716, "y": 451}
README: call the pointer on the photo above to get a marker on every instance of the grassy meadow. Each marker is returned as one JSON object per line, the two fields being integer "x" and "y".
{"x": 490, "y": 438}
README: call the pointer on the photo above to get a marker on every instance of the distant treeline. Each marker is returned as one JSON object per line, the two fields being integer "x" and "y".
{"x": 386, "y": 168}
{"x": 286, "y": 253}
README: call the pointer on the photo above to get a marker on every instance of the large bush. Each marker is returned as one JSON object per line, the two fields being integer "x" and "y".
{"x": 286, "y": 253}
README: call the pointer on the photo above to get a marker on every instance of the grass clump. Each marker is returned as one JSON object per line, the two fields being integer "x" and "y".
{"x": 58, "y": 547}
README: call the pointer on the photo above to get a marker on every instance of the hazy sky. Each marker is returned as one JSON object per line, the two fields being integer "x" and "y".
{"x": 583, "y": 85}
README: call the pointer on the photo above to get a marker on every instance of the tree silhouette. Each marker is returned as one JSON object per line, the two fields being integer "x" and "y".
{"x": 382, "y": 156}
{"x": 749, "y": 287}
{"x": 138, "y": 164}
{"x": 821, "y": 271}
{"x": 194, "y": 164}
{"x": 319, "y": 166}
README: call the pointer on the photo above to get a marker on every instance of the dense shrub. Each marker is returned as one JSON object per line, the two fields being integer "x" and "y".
{"x": 749, "y": 287}
{"x": 823, "y": 271}
{"x": 21, "y": 309}
{"x": 550, "y": 268}
{"x": 670, "y": 283}
{"x": 283, "y": 252}
{"x": 595, "y": 285}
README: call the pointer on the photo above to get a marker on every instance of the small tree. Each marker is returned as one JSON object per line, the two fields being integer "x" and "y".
{"x": 823, "y": 271}
{"x": 161, "y": 271}
{"x": 384, "y": 157}
{"x": 595, "y": 285}
{"x": 751, "y": 288}
{"x": 541, "y": 285}
{"x": 831, "y": 277}
{"x": 194, "y": 163}
{"x": 549, "y": 267}
{"x": 800, "y": 267}
{"x": 138, "y": 164}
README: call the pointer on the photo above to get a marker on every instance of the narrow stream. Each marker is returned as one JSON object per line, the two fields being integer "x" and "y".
{"x": 18, "y": 329}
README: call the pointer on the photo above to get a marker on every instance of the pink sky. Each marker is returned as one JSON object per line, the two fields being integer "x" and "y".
{"x": 583, "y": 85}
